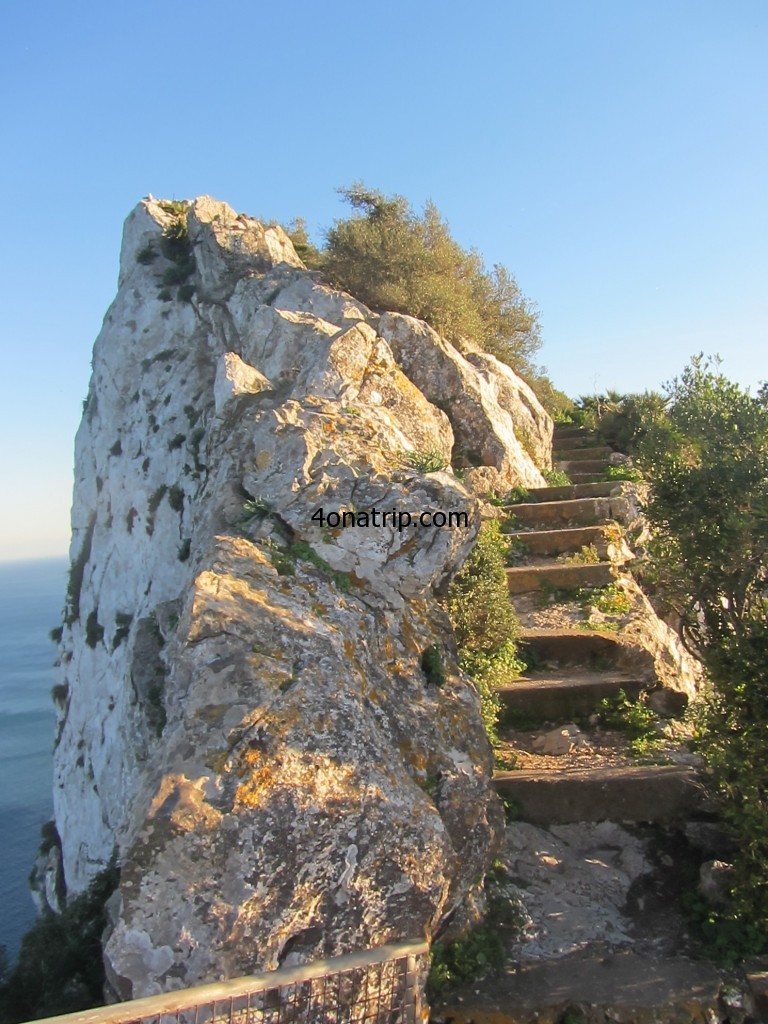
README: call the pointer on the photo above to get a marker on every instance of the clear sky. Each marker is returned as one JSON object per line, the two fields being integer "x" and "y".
{"x": 613, "y": 155}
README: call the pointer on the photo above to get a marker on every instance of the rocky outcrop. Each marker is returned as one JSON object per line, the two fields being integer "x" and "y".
{"x": 502, "y": 439}
{"x": 264, "y": 717}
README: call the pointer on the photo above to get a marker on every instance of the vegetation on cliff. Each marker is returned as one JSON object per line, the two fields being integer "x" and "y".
{"x": 60, "y": 967}
{"x": 484, "y": 621}
{"x": 703, "y": 447}
{"x": 392, "y": 258}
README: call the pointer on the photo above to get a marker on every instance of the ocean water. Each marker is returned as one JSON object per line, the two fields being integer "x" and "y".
{"x": 31, "y": 601}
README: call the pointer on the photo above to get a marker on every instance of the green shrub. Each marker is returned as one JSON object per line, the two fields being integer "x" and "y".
{"x": 586, "y": 555}
{"x": 76, "y": 573}
{"x": 94, "y": 631}
{"x": 557, "y": 478}
{"x": 464, "y": 960}
{"x": 393, "y": 259}
{"x": 432, "y": 665}
{"x": 610, "y": 599}
{"x": 176, "y": 498}
{"x": 632, "y": 717}
{"x": 484, "y": 621}
{"x": 624, "y": 473}
{"x": 707, "y": 464}
{"x": 60, "y": 692}
{"x": 146, "y": 255}
{"x": 309, "y": 254}
{"x": 60, "y": 967}
{"x": 123, "y": 622}
{"x": 518, "y": 496}
{"x": 480, "y": 951}
{"x": 621, "y": 421}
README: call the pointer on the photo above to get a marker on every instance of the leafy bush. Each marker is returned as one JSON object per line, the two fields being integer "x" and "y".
{"x": 624, "y": 473}
{"x": 394, "y": 259}
{"x": 632, "y": 717}
{"x": 556, "y": 478}
{"x": 480, "y": 950}
{"x": 621, "y": 421}
{"x": 484, "y": 621}
{"x": 463, "y": 960}
{"x": 432, "y": 665}
{"x": 610, "y": 599}
{"x": 60, "y": 967}
{"x": 708, "y": 468}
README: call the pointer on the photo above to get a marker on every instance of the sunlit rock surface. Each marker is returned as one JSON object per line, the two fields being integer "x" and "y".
{"x": 247, "y": 722}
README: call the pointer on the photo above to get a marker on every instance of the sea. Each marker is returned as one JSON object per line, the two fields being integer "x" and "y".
{"x": 31, "y": 603}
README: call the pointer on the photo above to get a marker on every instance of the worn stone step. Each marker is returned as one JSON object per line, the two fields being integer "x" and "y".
{"x": 591, "y": 986}
{"x": 580, "y": 466}
{"x": 523, "y": 579}
{"x": 644, "y": 793}
{"x": 587, "y": 478}
{"x": 572, "y": 647}
{"x": 577, "y": 442}
{"x": 602, "y": 489}
{"x": 560, "y": 542}
{"x": 558, "y": 698}
{"x": 561, "y": 431}
{"x": 582, "y": 454}
{"x": 549, "y": 650}
{"x": 572, "y": 512}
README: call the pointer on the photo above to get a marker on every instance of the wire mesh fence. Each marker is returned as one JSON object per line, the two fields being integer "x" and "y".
{"x": 378, "y": 986}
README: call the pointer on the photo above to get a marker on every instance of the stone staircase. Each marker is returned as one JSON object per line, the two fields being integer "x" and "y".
{"x": 577, "y": 812}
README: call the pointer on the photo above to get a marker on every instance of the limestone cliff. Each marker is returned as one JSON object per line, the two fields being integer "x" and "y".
{"x": 246, "y": 713}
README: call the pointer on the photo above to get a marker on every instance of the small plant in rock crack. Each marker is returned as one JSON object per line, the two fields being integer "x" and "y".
{"x": 586, "y": 555}
{"x": 556, "y": 478}
{"x": 637, "y": 721}
{"x": 517, "y": 551}
{"x": 517, "y": 496}
{"x": 255, "y": 508}
{"x": 610, "y": 600}
{"x": 629, "y": 473}
{"x": 480, "y": 951}
{"x": 428, "y": 460}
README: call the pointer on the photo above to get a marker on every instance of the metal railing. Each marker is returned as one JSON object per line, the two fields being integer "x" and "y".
{"x": 373, "y": 986}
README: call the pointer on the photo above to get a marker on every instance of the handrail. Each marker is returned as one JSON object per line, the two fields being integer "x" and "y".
{"x": 233, "y": 988}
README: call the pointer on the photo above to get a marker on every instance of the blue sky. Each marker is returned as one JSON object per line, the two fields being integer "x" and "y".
{"x": 612, "y": 155}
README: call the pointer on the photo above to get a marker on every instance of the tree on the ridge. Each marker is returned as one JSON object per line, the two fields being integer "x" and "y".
{"x": 393, "y": 259}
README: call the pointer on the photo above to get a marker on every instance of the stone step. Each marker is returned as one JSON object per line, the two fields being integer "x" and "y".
{"x": 587, "y": 478}
{"x": 549, "y": 651}
{"x": 560, "y": 542}
{"x": 561, "y": 697}
{"x": 577, "y": 442}
{"x": 562, "y": 430}
{"x": 582, "y": 454}
{"x": 591, "y": 986}
{"x": 581, "y": 466}
{"x": 573, "y": 512}
{"x": 641, "y": 793}
{"x": 603, "y": 489}
{"x": 523, "y": 579}
{"x": 572, "y": 647}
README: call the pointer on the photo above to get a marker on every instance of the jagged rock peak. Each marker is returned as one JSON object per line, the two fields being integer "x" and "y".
{"x": 246, "y": 719}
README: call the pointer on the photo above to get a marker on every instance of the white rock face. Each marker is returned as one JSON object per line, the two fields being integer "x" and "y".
{"x": 503, "y": 436}
{"x": 247, "y": 722}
